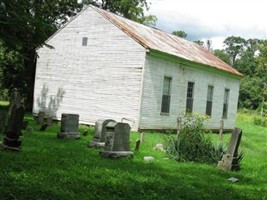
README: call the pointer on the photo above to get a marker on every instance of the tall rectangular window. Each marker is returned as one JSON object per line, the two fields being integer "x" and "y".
{"x": 225, "y": 103}
{"x": 84, "y": 41}
{"x": 190, "y": 97}
{"x": 209, "y": 100}
{"x": 166, "y": 95}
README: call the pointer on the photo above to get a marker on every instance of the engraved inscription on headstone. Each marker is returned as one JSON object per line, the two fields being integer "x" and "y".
{"x": 117, "y": 143}
{"x": 100, "y": 133}
{"x": 230, "y": 159}
{"x": 69, "y": 126}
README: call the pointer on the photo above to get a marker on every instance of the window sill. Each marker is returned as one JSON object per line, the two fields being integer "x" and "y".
{"x": 165, "y": 114}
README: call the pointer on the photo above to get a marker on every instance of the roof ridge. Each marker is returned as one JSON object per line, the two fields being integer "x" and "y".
{"x": 156, "y": 39}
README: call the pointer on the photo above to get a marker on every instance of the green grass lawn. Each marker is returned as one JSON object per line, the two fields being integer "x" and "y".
{"x": 51, "y": 168}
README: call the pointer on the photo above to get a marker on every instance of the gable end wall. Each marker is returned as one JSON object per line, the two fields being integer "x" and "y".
{"x": 100, "y": 80}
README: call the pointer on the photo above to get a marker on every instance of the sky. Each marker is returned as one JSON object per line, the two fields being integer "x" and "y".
{"x": 212, "y": 19}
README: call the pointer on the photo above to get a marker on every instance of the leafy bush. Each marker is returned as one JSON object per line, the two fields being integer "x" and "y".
{"x": 192, "y": 143}
{"x": 260, "y": 121}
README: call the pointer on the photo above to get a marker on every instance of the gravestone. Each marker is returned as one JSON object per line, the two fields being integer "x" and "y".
{"x": 49, "y": 121}
{"x": 40, "y": 118}
{"x": 69, "y": 126}
{"x": 137, "y": 144}
{"x": 230, "y": 159}
{"x": 100, "y": 133}
{"x": 117, "y": 142}
{"x": 12, "y": 132}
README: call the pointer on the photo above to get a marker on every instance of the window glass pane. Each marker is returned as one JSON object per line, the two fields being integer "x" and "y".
{"x": 209, "y": 100}
{"x": 190, "y": 95}
{"x": 210, "y": 93}
{"x": 190, "y": 90}
{"x": 167, "y": 86}
{"x": 226, "y": 95}
{"x": 84, "y": 42}
{"x": 225, "y": 103}
{"x": 165, "y": 107}
{"x": 166, "y": 96}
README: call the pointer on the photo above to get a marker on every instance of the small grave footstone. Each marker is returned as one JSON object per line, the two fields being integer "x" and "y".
{"x": 137, "y": 145}
{"x": 69, "y": 126}
{"x": 100, "y": 133}
{"x": 159, "y": 147}
{"x": 149, "y": 158}
{"x": 117, "y": 143}
{"x": 230, "y": 159}
{"x": 12, "y": 132}
{"x": 233, "y": 179}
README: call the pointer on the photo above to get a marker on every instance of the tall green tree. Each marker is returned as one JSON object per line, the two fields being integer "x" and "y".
{"x": 234, "y": 47}
{"x": 25, "y": 25}
{"x": 246, "y": 62}
{"x": 248, "y": 57}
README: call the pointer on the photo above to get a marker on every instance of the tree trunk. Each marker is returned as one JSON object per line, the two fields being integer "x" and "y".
{"x": 30, "y": 67}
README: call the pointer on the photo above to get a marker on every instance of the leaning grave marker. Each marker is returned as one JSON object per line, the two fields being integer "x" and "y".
{"x": 69, "y": 128}
{"x": 100, "y": 133}
{"x": 117, "y": 143}
{"x": 230, "y": 159}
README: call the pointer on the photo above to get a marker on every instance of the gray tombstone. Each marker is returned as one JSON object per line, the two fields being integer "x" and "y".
{"x": 117, "y": 142}
{"x": 12, "y": 132}
{"x": 100, "y": 133}
{"x": 230, "y": 159}
{"x": 49, "y": 121}
{"x": 40, "y": 118}
{"x": 69, "y": 126}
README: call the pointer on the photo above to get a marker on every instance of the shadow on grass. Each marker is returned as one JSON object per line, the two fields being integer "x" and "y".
{"x": 50, "y": 168}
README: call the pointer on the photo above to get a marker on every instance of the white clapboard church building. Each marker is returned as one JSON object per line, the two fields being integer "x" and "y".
{"x": 105, "y": 66}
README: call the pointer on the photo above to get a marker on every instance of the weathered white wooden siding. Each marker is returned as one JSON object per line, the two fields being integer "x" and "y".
{"x": 100, "y": 80}
{"x": 155, "y": 70}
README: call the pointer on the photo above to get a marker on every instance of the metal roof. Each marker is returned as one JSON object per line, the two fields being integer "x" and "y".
{"x": 155, "y": 39}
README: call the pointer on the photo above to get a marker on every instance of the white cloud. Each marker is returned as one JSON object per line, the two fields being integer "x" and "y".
{"x": 212, "y": 19}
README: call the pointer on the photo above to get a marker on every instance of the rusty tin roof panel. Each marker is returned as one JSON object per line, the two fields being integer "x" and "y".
{"x": 155, "y": 39}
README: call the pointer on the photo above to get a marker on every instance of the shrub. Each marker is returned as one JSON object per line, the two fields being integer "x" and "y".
{"x": 260, "y": 121}
{"x": 192, "y": 143}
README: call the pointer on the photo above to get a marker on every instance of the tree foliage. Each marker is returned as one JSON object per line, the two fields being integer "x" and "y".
{"x": 234, "y": 46}
{"x": 25, "y": 25}
{"x": 250, "y": 58}
{"x": 181, "y": 34}
{"x": 222, "y": 55}
{"x": 199, "y": 42}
